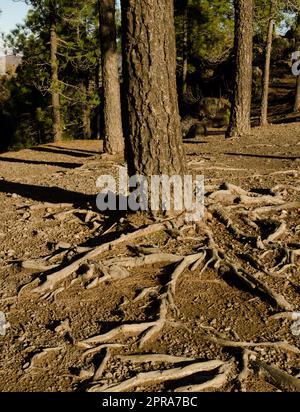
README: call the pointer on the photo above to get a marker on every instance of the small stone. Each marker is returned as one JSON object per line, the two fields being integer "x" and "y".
{"x": 11, "y": 253}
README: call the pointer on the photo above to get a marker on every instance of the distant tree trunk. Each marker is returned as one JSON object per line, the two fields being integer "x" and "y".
{"x": 113, "y": 141}
{"x": 57, "y": 133}
{"x": 297, "y": 41}
{"x": 240, "y": 120}
{"x": 152, "y": 130}
{"x": 266, "y": 78}
{"x": 86, "y": 110}
{"x": 98, "y": 108}
{"x": 297, "y": 99}
{"x": 185, "y": 52}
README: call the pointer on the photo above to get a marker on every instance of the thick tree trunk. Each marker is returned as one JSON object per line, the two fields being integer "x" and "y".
{"x": 57, "y": 133}
{"x": 152, "y": 130}
{"x": 113, "y": 141}
{"x": 240, "y": 123}
{"x": 266, "y": 78}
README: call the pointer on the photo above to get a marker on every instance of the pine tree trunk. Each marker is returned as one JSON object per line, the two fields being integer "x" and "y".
{"x": 297, "y": 99}
{"x": 86, "y": 111}
{"x": 185, "y": 53}
{"x": 57, "y": 133}
{"x": 240, "y": 120}
{"x": 98, "y": 108}
{"x": 113, "y": 141}
{"x": 266, "y": 78}
{"x": 297, "y": 41}
{"x": 152, "y": 130}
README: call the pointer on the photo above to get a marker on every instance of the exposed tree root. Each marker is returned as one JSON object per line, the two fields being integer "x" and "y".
{"x": 216, "y": 382}
{"x": 160, "y": 376}
{"x": 99, "y": 371}
{"x": 55, "y": 278}
{"x": 277, "y": 377}
{"x": 277, "y": 234}
{"x": 286, "y": 315}
{"x": 167, "y": 299}
{"x": 131, "y": 329}
{"x": 37, "y": 265}
{"x": 131, "y": 262}
{"x": 154, "y": 357}
{"x": 97, "y": 349}
{"x": 285, "y": 346}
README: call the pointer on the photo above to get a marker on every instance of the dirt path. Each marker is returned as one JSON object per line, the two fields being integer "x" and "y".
{"x": 41, "y": 350}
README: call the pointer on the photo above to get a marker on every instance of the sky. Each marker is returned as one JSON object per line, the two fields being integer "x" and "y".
{"x": 13, "y": 12}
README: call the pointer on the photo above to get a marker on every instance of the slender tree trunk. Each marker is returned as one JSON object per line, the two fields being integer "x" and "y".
{"x": 152, "y": 130}
{"x": 240, "y": 123}
{"x": 86, "y": 110}
{"x": 297, "y": 99}
{"x": 266, "y": 78}
{"x": 113, "y": 141}
{"x": 57, "y": 133}
{"x": 98, "y": 108}
{"x": 185, "y": 52}
{"x": 297, "y": 41}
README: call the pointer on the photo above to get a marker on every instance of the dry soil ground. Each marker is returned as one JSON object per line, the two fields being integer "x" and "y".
{"x": 219, "y": 306}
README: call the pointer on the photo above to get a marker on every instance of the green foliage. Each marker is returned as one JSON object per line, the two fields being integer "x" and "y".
{"x": 78, "y": 63}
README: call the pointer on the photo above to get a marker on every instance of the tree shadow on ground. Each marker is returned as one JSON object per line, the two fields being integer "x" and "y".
{"x": 61, "y": 151}
{"x": 65, "y": 165}
{"x": 263, "y": 156}
{"x": 45, "y": 194}
{"x": 94, "y": 152}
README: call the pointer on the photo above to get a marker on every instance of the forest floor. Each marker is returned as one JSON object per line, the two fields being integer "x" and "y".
{"x": 48, "y": 218}
{"x": 212, "y": 306}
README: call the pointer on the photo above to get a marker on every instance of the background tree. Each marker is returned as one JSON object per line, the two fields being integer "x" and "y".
{"x": 113, "y": 141}
{"x": 241, "y": 104}
{"x": 266, "y": 77}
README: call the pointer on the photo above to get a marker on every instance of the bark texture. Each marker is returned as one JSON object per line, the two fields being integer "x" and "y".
{"x": 297, "y": 41}
{"x": 241, "y": 105}
{"x": 266, "y": 78}
{"x": 113, "y": 141}
{"x": 56, "y": 116}
{"x": 185, "y": 52}
{"x": 152, "y": 130}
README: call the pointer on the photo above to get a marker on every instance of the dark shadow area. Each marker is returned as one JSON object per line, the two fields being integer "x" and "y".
{"x": 216, "y": 132}
{"x": 45, "y": 194}
{"x": 287, "y": 120}
{"x": 195, "y": 379}
{"x": 262, "y": 156}
{"x": 60, "y": 151}
{"x": 79, "y": 150}
{"x": 193, "y": 141}
{"x": 65, "y": 165}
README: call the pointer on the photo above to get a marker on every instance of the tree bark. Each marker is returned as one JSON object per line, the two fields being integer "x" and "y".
{"x": 86, "y": 110}
{"x": 266, "y": 78}
{"x": 113, "y": 141}
{"x": 54, "y": 88}
{"x": 152, "y": 130}
{"x": 185, "y": 52}
{"x": 240, "y": 123}
{"x": 152, "y": 124}
{"x": 297, "y": 41}
{"x": 297, "y": 99}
